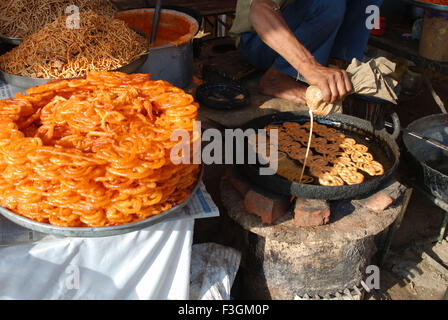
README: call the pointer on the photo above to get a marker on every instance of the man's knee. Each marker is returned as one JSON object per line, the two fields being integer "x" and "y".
{"x": 367, "y": 3}
{"x": 325, "y": 12}
{"x": 334, "y": 12}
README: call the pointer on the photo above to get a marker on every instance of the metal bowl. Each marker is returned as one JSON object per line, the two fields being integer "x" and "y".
{"x": 11, "y": 40}
{"x": 23, "y": 82}
{"x": 170, "y": 62}
{"x": 29, "y": 82}
{"x": 431, "y": 162}
{"x": 87, "y": 232}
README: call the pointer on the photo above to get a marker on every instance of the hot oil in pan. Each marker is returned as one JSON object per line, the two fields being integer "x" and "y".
{"x": 379, "y": 149}
{"x": 440, "y": 165}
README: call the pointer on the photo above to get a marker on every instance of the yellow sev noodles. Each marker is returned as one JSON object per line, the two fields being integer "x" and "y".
{"x": 55, "y": 51}
{"x": 20, "y": 18}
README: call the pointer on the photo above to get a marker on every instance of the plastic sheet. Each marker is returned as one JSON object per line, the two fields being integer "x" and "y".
{"x": 213, "y": 271}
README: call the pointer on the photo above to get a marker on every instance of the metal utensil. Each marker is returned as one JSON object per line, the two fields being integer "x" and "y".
{"x": 382, "y": 145}
{"x": 432, "y": 162}
{"x": 29, "y": 82}
{"x": 155, "y": 21}
{"x": 173, "y": 61}
{"x": 23, "y": 82}
{"x": 421, "y": 137}
{"x": 11, "y": 40}
{"x": 428, "y": 140}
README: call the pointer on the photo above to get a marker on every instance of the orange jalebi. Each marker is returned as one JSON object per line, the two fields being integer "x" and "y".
{"x": 334, "y": 159}
{"x": 96, "y": 151}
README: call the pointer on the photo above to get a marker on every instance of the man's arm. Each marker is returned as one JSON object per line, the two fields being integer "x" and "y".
{"x": 269, "y": 24}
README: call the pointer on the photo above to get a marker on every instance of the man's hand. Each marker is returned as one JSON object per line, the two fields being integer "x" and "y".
{"x": 274, "y": 31}
{"x": 316, "y": 103}
{"x": 335, "y": 84}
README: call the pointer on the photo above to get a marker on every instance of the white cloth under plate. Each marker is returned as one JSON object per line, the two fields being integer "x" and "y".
{"x": 213, "y": 271}
{"x": 153, "y": 263}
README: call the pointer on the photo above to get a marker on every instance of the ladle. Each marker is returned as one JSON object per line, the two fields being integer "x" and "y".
{"x": 155, "y": 21}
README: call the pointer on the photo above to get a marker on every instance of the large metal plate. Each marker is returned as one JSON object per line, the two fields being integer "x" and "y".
{"x": 29, "y": 82}
{"x": 427, "y": 5}
{"x": 86, "y": 232}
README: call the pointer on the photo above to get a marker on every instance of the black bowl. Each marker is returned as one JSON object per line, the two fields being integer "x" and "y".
{"x": 222, "y": 95}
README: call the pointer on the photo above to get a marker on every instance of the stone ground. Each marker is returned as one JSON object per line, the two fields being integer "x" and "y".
{"x": 416, "y": 268}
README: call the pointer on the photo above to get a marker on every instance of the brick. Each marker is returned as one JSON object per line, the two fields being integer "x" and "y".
{"x": 311, "y": 212}
{"x": 380, "y": 201}
{"x": 394, "y": 190}
{"x": 237, "y": 181}
{"x": 267, "y": 206}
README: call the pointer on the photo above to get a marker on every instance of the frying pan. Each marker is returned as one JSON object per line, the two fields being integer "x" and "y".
{"x": 381, "y": 144}
{"x": 432, "y": 161}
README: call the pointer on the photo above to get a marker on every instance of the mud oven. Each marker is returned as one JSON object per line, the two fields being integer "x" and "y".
{"x": 310, "y": 249}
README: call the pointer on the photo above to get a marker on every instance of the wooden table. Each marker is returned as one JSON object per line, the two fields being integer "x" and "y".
{"x": 393, "y": 42}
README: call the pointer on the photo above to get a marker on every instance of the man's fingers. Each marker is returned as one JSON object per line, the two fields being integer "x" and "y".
{"x": 348, "y": 82}
{"x": 326, "y": 91}
{"x": 334, "y": 90}
{"x": 334, "y": 84}
{"x": 341, "y": 86}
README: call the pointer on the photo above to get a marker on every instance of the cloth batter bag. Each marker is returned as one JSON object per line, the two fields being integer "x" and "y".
{"x": 373, "y": 79}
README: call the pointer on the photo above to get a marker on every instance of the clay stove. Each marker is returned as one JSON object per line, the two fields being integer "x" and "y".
{"x": 305, "y": 248}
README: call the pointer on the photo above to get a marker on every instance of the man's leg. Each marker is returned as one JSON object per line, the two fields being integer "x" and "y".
{"x": 315, "y": 24}
{"x": 353, "y": 35}
{"x": 317, "y": 30}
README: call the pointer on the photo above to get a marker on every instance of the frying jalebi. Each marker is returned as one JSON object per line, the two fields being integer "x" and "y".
{"x": 94, "y": 152}
{"x": 334, "y": 159}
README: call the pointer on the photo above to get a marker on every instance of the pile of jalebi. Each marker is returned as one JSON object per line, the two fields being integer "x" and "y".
{"x": 96, "y": 151}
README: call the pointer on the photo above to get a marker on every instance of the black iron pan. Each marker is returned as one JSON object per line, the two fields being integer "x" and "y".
{"x": 381, "y": 144}
{"x": 432, "y": 160}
